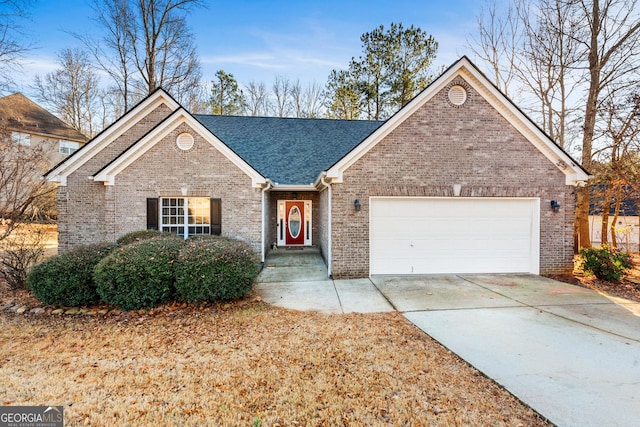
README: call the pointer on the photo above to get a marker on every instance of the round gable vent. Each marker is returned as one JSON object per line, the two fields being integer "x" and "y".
{"x": 184, "y": 141}
{"x": 457, "y": 95}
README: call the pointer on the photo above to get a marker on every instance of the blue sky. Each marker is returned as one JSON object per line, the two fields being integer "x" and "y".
{"x": 257, "y": 40}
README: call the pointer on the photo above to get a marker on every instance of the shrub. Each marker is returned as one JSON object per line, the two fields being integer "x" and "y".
{"x": 140, "y": 274}
{"x": 605, "y": 263}
{"x": 140, "y": 235}
{"x": 215, "y": 269}
{"x": 67, "y": 279}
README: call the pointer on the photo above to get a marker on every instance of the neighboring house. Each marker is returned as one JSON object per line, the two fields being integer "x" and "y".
{"x": 627, "y": 226}
{"x": 32, "y": 125}
{"x": 458, "y": 181}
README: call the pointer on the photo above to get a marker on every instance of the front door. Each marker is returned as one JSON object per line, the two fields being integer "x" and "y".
{"x": 294, "y": 222}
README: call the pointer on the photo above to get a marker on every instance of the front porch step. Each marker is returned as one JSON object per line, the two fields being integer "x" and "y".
{"x": 300, "y": 265}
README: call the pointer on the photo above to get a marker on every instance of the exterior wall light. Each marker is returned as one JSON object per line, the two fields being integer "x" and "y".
{"x": 555, "y": 206}
{"x": 357, "y": 205}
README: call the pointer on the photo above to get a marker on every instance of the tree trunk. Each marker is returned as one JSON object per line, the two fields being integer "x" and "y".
{"x": 606, "y": 207}
{"x": 614, "y": 222}
{"x": 591, "y": 111}
{"x": 582, "y": 218}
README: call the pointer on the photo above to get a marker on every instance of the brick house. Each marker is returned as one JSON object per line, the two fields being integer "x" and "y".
{"x": 458, "y": 181}
{"x": 31, "y": 125}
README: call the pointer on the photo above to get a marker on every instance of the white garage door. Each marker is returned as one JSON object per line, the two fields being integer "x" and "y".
{"x": 425, "y": 235}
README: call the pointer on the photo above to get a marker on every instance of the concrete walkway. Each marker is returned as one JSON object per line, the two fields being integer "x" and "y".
{"x": 570, "y": 353}
{"x": 297, "y": 279}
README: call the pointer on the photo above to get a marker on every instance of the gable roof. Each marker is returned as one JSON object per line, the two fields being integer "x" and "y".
{"x": 172, "y": 122}
{"x": 294, "y": 152}
{"x": 62, "y": 170}
{"x": 20, "y": 114}
{"x": 289, "y": 151}
{"x": 575, "y": 174}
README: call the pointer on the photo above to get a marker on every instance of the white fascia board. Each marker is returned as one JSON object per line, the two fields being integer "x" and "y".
{"x": 108, "y": 174}
{"x": 123, "y": 124}
{"x": 293, "y": 187}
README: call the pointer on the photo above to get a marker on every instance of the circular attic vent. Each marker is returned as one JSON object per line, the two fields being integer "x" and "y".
{"x": 184, "y": 141}
{"x": 457, "y": 95}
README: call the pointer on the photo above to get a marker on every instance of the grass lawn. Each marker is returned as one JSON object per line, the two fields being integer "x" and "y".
{"x": 244, "y": 364}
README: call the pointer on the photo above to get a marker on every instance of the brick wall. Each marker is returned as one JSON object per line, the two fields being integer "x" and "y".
{"x": 203, "y": 171}
{"x": 92, "y": 212}
{"x": 439, "y": 145}
{"x": 82, "y": 203}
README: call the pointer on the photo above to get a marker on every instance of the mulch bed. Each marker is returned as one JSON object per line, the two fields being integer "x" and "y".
{"x": 627, "y": 288}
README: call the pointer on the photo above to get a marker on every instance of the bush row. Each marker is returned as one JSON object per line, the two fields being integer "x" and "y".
{"x": 146, "y": 269}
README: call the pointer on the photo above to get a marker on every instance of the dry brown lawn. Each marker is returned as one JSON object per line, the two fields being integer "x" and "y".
{"x": 245, "y": 364}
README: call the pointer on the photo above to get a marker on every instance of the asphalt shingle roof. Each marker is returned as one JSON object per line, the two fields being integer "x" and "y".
{"x": 289, "y": 151}
{"x": 19, "y": 113}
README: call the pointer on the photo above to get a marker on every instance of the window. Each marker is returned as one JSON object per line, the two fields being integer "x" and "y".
{"x": 68, "y": 147}
{"x": 185, "y": 216}
{"x": 20, "y": 138}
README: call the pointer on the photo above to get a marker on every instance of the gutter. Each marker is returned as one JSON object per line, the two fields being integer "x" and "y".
{"x": 263, "y": 232}
{"x": 329, "y": 221}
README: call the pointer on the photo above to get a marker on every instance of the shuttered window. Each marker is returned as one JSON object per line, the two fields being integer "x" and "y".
{"x": 185, "y": 216}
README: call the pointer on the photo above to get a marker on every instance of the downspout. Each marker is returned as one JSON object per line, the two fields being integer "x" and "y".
{"x": 264, "y": 223}
{"x": 329, "y": 243}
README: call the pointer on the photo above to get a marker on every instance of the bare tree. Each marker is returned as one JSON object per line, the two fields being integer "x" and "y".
{"x": 257, "y": 99}
{"x": 13, "y": 39}
{"x": 306, "y": 101}
{"x": 282, "y": 94}
{"x": 147, "y": 44}
{"x": 550, "y": 56}
{"x": 497, "y": 42}
{"x": 617, "y": 163}
{"x": 72, "y": 91}
{"x": 313, "y": 100}
{"x": 611, "y": 44}
{"x": 574, "y": 55}
{"x": 297, "y": 99}
{"x": 20, "y": 185}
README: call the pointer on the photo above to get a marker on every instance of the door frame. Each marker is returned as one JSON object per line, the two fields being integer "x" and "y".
{"x": 307, "y": 222}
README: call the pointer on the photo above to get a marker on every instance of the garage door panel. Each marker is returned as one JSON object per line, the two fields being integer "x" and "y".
{"x": 453, "y": 235}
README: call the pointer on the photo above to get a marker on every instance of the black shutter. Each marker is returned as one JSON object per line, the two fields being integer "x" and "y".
{"x": 216, "y": 216}
{"x": 152, "y": 214}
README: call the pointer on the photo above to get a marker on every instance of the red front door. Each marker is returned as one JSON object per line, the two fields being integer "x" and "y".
{"x": 294, "y": 223}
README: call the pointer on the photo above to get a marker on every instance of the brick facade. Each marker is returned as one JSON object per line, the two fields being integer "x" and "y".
{"x": 437, "y": 146}
{"x": 93, "y": 212}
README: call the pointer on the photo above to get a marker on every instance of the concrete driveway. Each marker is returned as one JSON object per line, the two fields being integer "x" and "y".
{"x": 570, "y": 353}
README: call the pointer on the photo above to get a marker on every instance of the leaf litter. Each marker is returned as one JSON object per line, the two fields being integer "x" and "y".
{"x": 245, "y": 363}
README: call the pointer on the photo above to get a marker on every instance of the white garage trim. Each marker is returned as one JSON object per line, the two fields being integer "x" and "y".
{"x": 445, "y": 235}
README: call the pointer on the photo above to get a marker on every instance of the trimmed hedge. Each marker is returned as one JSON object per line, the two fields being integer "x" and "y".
{"x": 140, "y": 235}
{"x": 67, "y": 279}
{"x": 605, "y": 263}
{"x": 215, "y": 269}
{"x": 140, "y": 274}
